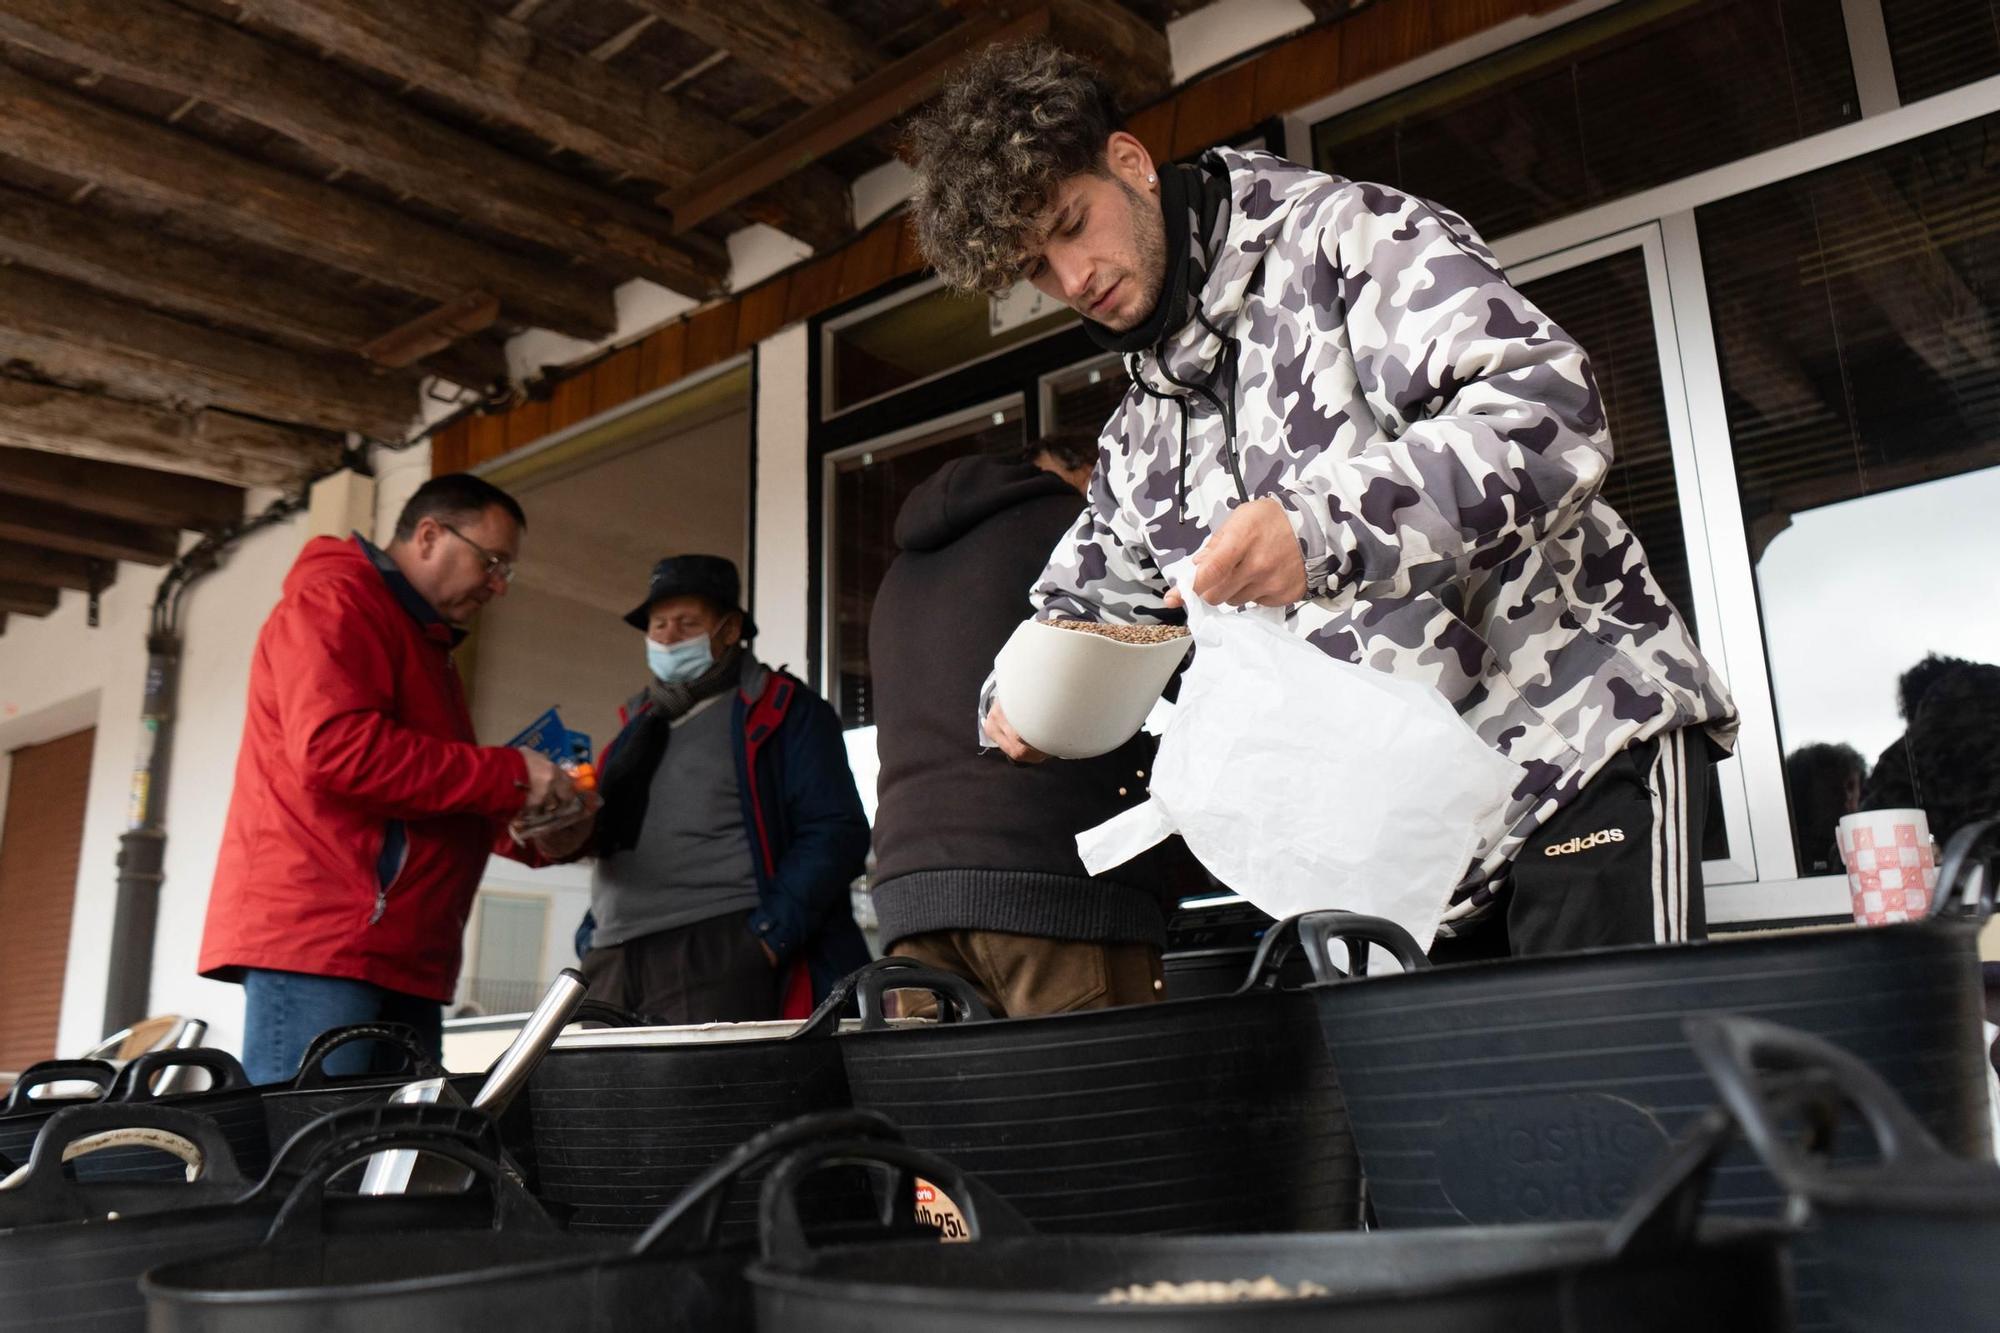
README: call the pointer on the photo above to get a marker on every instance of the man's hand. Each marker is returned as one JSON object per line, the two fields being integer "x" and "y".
{"x": 1253, "y": 559}
{"x": 564, "y": 840}
{"x": 548, "y": 785}
{"x": 1002, "y": 733}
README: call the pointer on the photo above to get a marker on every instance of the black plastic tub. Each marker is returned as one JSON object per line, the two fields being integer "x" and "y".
{"x": 72, "y": 1251}
{"x": 1650, "y": 1272}
{"x": 622, "y": 1122}
{"x": 678, "y": 1277}
{"x": 255, "y": 1118}
{"x": 1909, "y": 1237}
{"x": 1207, "y": 1115}
{"x": 1545, "y": 1089}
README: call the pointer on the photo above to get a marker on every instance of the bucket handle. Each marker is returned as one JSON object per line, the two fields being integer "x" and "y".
{"x": 43, "y": 1072}
{"x": 312, "y": 1065}
{"x": 459, "y": 1133}
{"x": 691, "y": 1223}
{"x": 1740, "y": 1054}
{"x": 135, "y": 1080}
{"x": 1319, "y": 930}
{"x": 604, "y": 1014}
{"x": 43, "y": 1178}
{"x": 1973, "y": 848}
{"x": 957, "y": 1001}
{"x": 782, "y": 1233}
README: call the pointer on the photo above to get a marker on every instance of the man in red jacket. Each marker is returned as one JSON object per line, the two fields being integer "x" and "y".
{"x": 363, "y": 811}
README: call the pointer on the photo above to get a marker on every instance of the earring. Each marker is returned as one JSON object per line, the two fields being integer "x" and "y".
{"x": 1151, "y": 179}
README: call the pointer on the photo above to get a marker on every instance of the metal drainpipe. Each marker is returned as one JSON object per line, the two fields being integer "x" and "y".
{"x": 142, "y": 849}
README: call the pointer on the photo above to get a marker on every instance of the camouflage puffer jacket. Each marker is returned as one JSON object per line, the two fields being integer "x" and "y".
{"x": 1438, "y": 444}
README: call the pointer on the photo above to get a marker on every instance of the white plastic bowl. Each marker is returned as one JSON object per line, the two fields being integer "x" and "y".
{"x": 1076, "y": 695}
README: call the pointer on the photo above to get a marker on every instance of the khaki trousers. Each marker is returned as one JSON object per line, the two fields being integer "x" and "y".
{"x": 1020, "y": 975}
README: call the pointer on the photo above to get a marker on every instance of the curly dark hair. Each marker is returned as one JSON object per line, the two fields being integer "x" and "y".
{"x": 991, "y": 151}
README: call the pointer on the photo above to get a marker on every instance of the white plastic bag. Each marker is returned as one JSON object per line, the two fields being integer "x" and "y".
{"x": 1305, "y": 783}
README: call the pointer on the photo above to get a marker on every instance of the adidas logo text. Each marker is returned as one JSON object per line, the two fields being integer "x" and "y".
{"x": 1585, "y": 843}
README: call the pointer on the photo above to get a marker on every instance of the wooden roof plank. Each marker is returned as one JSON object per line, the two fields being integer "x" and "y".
{"x": 61, "y": 528}
{"x": 363, "y": 129}
{"x": 799, "y": 46}
{"x": 22, "y": 563}
{"x": 154, "y": 268}
{"x": 131, "y": 494}
{"x": 498, "y": 68}
{"x": 27, "y": 599}
{"x": 870, "y": 104}
{"x": 76, "y": 335}
{"x": 240, "y": 451}
{"x": 166, "y": 167}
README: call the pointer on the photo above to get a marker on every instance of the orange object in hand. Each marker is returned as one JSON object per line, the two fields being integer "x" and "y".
{"x": 582, "y": 776}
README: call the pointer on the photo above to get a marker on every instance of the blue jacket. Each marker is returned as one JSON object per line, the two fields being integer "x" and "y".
{"x": 806, "y": 821}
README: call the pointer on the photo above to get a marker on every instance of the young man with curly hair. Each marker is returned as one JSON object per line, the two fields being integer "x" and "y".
{"x": 1340, "y": 406}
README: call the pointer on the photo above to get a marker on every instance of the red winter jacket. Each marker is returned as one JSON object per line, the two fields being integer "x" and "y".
{"x": 363, "y": 812}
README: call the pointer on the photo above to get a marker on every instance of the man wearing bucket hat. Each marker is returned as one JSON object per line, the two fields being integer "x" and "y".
{"x": 730, "y": 829}
{"x": 1340, "y": 406}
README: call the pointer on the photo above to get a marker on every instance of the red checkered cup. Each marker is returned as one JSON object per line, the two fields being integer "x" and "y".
{"x": 1891, "y": 864}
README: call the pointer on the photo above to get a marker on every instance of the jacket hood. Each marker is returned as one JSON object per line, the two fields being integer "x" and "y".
{"x": 964, "y": 493}
{"x": 1263, "y": 191}
{"x": 333, "y": 561}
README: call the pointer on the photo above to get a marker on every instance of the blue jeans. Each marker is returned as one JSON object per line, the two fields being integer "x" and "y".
{"x": 284, "y": 1011}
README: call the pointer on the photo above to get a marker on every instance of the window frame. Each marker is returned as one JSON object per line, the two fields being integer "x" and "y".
{"x": 826, "y": 673}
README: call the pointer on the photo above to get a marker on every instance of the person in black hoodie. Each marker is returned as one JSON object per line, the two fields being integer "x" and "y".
{"x": 976, "y": 867}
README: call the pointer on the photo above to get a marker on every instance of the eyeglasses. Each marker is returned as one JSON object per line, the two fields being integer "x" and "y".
{"x": 497, "y": 565}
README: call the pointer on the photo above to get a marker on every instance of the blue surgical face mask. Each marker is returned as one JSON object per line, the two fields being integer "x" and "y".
{"x": 679, "y": 663}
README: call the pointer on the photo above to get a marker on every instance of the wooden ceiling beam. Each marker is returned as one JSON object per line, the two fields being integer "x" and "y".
{"x": 1133, "y": 53}
{"x": 110, "y": 490}
{"x": 363, "y": 129}
{"x": 133, "y": 155}
{"x": 22, "y": 563}
{"x": 219, "y": 446}
{"x": 76, "y": 336}
{"x": 810, "y": 52}
{"x": 496, "y": 67}
{"x": 156, "y": 269}
{"x": 61, "y": 528}
{"x": 870, "y": 104}
{"x": 27, "y": 599}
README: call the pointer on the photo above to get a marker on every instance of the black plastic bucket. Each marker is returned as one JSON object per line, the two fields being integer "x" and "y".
{"x": 1545, "y": 1089}
{"x": 1215, "y": 1114}
{"x": 623, "y": 1122}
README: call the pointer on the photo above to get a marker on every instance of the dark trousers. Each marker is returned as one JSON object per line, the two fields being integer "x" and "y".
{"x": 1621, "y": 864}
{"x": 712, "y": 971}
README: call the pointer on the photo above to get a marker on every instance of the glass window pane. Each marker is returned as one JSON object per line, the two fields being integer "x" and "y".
{"x": 869, "y": 489}
{"x": 507, "y": 978}
{"x": 916, "y": 339}
{"x": 1084, "y": 397}
{"x": 1857, "y": 317}
{"x": 1645, "y": 93}
{"x": 1938, "y": 45}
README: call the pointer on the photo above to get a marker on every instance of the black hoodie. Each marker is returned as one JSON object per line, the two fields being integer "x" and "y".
{"x": 964, "y": 839}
